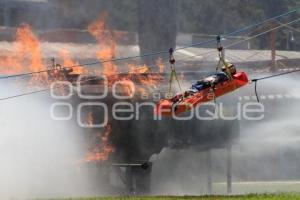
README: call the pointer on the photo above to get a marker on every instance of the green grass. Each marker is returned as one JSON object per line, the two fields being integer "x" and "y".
{"x": 288, "y": 196}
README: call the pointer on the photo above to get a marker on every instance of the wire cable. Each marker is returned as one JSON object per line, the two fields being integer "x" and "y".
{"x": 253, "y": 80}
{"x": 42, "y": 90}
{"x": 275, "y": 75}
{"x": 161, "y": 52}
{"x": 247, "y": 39}
{"x": 272, "y": 29}
{"x": 24, "y": 94}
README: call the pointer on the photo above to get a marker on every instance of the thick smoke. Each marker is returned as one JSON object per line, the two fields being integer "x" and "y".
{"x": 39, "y": 157}
{"x": 266, "y": 152}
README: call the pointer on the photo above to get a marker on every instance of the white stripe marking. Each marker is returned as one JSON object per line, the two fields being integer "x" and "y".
{"x": 187, "y": 53}
{"x": 263, "y": 97}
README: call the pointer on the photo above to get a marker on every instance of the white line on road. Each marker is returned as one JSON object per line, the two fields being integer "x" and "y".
{"x": 188, "y": 53}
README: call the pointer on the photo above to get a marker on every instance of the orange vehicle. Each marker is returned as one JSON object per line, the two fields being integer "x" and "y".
{"x": 203, "y": 91}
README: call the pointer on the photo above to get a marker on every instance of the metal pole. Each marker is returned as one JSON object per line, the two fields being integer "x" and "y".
{"x": 273, "y": 49}
{"x": 288, "y": 41}
{"x": 229, "y": 170}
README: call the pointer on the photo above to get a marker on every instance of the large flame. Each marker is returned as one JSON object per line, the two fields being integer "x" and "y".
{"x": 101, "y": 153}
{"x": 106, "y": 39}
{"x": 29, "y": 45}
{"x": 27, "y": 56}
{"x": 107, "y": 44}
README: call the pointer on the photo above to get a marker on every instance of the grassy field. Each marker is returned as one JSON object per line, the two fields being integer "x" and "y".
{"x": 288, "y": 196}
{"x": 274, "y": 187}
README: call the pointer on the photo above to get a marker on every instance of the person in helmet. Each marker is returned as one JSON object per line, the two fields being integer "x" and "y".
{"x": 229, "y": 69}
{"x": 209, "y": 81}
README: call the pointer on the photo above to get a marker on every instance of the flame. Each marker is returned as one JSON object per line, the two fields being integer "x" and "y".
{"x": 160, "y": 65}
{"x": 29, "y": 45}
{"x": 106, "y": 39}
{"x": 107, "y": 44}
{"x": 144, "y": 77}
{"x": 29, "y": 48}
{"x": 10, "y": 65}
{"x": 102, "y": 154}
{"x": 27, "y": 56}
{"x": 90, "y": 119}
{"x": 133, "y": 69}
{"x": 126, "y": 87}
{"x": 149, "y": 81}
{"x": 68, "y": 62}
